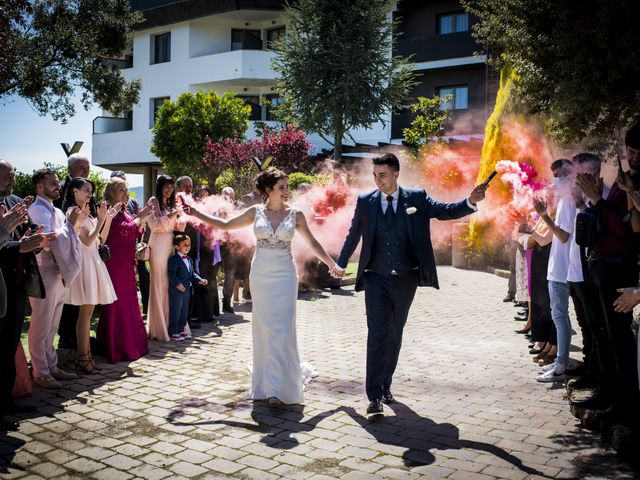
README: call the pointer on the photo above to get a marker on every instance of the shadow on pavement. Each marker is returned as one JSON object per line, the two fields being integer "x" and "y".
{"x": 279, "y": 424}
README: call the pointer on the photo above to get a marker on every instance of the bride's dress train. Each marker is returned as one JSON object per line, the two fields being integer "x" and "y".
{"x": 277, "y": 370}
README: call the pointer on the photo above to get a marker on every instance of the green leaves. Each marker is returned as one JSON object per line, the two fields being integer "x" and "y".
{"x": 335, "y": 66}
{"x": 429, "y": 123}
{"x": 183, "y": 127}
{"x": 577, "y": 62}
{"x": 53, "y": 47}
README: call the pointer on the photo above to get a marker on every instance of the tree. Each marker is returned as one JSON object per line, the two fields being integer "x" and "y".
{"x": 335, "y": 67}
{"x": 576, "y": 62}
{"x": 51, "y": 48}
{"x": 428, "y": 125}
{"x": 183, "y": 128}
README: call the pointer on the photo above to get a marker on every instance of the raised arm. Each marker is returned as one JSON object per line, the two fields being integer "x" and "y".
{"x": 245, "y": 219}
{"x": 303, "y": 229}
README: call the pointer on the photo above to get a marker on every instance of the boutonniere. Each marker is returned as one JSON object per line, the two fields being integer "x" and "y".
{"x": 411, "y": 210}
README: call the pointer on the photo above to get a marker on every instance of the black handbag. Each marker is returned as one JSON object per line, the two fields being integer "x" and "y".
{"x": 104, "y": 252}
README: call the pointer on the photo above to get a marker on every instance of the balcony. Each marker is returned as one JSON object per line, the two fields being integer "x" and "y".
{"x": 437, "y": 47}
{"x": 121, "y": 63}
{"x": 238, "y": 66}
{"x": 111, "y": 125}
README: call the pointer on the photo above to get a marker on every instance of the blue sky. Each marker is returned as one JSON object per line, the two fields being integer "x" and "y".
{"x": 28, "y": 140}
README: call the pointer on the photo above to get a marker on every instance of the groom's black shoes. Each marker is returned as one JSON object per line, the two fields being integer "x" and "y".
{"x": 375, "y": 406}
{"x": 387, "y": 396}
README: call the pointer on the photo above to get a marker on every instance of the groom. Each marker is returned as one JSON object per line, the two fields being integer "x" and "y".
{"x": 396, "y": 257}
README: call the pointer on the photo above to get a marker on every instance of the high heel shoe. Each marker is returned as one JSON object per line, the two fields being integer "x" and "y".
{"x": 523, "y": 331}
{"x": 84, "y": 363}
{"x": 536, "y": 351}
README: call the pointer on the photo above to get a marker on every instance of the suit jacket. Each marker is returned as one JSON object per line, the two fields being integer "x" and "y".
{"x": 4, "y": 238}
{"x": 178, "y": 273}
{"x": 418, "y": 228}
{"x": 20, "y": 270}
{"x": 63, "y": 192}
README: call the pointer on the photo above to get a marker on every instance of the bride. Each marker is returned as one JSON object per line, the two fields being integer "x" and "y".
{"x": 278, "y": 375}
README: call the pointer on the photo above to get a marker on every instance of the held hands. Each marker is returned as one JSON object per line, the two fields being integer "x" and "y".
{"x": 590, "y": 186}
{"x": 203, "y": 282}
{"x": 336, "y": 271}
{"x": 14, "y": 217}
{"x": 630, "y": 298}
{"x": 478, "y": 193}
{"x": 181, "y": 288}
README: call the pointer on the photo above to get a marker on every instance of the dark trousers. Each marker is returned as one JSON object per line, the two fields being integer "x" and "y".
{"x": 511, "y": 289}
{"x": 542, "y": 327}
{"x": 387, "y": 301}
{"x": 178, "y": 310}
{"x": 67, "y": 327}
{"x": 585, "y": 306}
{"x": 615, "y": 341}
{"x": 143, "y": 281}
{"x": 10, "y": 330}
{"x": 205, "y": 297}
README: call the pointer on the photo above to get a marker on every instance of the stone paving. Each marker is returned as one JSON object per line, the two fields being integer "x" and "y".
{"x": 469, "y": 405}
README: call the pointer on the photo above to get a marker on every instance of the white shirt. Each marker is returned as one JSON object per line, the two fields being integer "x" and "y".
{"x": 186, "y": 262}
{"x": 558, "y": 268}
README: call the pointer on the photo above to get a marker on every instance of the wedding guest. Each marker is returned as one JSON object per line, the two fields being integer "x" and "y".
{"x": 21, "y": 277}
{"x": 78, "y": 166}
{"x": 229, "y": 250}
{"x": 207, "y": 258}
{"x": 92, "y": 286}
{"x": 58, "y": 265}
{"x": 184, "y": 185}
{"x": 164, "y": 220}
{"x": 121, "y": 333}
{"x": 133, "y": 207}
{"x": 182, "y": 275}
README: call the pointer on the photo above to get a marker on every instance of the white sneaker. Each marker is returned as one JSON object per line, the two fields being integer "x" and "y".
{"x": 551, "y": 376}
{"x": 549, "y": 367}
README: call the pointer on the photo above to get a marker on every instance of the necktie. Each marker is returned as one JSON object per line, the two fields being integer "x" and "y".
{"x": 389, "y": 214}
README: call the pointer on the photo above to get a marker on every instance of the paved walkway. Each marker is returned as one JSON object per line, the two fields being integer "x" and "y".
{"x": 470, "y": 409}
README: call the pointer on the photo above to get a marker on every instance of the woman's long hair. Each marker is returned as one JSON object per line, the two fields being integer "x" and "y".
{"x": 171, "y": 201}
{"x": 70, "y": 197}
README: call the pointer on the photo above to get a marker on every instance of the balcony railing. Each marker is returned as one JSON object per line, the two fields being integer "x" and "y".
{"x": 121, "y": 63}
{"x": 438, "y": 47}
{"x": 111, "y": 125}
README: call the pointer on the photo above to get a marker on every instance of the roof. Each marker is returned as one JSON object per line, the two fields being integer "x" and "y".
{"x": 164, "y": 12}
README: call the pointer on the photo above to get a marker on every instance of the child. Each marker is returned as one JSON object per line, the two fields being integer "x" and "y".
{"x": 181, "y": 274}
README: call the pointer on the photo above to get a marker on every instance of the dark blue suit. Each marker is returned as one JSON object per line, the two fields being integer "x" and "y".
{"x": 396, "y": 257}
{"x": 179, "y": 301}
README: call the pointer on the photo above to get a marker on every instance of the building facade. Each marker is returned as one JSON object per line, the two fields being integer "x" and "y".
{"x": 224, "y": 46}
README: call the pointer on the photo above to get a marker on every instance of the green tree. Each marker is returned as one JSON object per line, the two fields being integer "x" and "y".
{"x": 183, "y": 127}
{"x": 575, "y": 62}
{"x": 429, "y": 123}
{"x": 52, "y": 48}
{"x": 335, "y": 67}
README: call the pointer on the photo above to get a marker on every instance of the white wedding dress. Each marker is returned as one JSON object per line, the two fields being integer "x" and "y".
{"x": 277, "y": 371}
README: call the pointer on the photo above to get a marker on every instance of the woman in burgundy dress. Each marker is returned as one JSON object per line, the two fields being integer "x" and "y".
{"x": 121, "y": 333}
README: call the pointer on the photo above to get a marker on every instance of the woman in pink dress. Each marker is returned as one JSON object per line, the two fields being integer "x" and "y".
{"x": 92, "y": 286}
{"x": 121, "y": 333}
{"x": 163, "y": 221}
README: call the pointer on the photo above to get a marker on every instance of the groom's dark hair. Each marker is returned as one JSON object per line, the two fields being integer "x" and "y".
{"x": 388, "y": 159}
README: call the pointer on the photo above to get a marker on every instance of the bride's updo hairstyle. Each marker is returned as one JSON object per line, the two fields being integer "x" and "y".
{"x": 267, "y": 179}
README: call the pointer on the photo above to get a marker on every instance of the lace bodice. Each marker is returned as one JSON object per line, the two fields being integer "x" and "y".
{"x": 266, "y": 237}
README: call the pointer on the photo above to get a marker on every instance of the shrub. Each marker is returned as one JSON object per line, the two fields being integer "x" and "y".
{"x": 298, "y": 178}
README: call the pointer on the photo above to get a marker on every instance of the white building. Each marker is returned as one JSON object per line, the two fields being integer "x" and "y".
{"x": 223, "y": 45}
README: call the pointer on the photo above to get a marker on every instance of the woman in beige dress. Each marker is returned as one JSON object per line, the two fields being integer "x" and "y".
{"x": 163, "y": 222}
{"x": 93, "y": 285}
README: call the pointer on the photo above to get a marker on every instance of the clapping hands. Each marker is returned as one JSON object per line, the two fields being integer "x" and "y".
{"x": 34, "y": 240}
{"x": 14, "y": 217}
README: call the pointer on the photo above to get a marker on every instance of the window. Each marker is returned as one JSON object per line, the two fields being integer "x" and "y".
{"x": 156, "y": 103}
{"x": 459, "y": 97}
{"x": 254, "y": 102}
{"x": 274, "y": 35}
{"x": 273, "y": 102}
{"x": 245, "y": 39}
{"x": 453, "y": 22}
{"x": 161, "y": 48}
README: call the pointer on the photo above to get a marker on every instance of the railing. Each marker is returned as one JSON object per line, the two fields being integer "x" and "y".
{"x": 111, "y": 125}
{"x": 119, "y": 62}
{"x": 438, "y": 47}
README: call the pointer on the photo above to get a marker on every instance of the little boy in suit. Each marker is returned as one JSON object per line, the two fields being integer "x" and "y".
{"x": 181, "y": 276}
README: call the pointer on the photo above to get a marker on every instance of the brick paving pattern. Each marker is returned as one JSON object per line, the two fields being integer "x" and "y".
{"x": 470, "y": 407}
